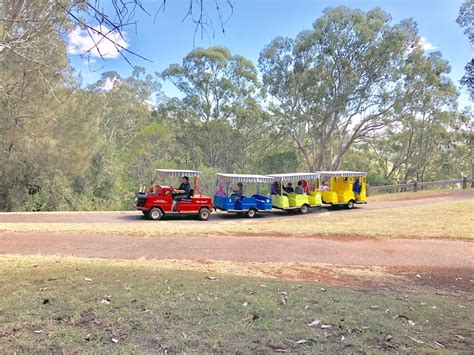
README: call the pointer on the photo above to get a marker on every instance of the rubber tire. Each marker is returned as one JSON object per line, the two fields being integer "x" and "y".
{"x": 154, "y": 214}
{"x": 204, "y": 214}
{"x": 350, "y": 205}
{"x": 304, "y": 209}
{"x": 251, "y": 213}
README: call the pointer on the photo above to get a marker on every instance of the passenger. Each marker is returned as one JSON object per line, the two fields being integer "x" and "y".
{"x": 324, "y": 186}
{"x": 156, "y": 189}
{"x": 289, "y": 188}
{"x": 276, "y": 188}
{"x": 220, "y": 190}
{"x": 357, "y": 188}
{"x": 181, "y": 193}
{"x": 238, "y": 194}
{"x": 299, "y": 189}
{"x": 306, "y": 186}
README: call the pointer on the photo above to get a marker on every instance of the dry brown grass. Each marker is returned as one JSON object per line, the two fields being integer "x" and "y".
{"x": 450, "y": 220}
{"x": 411, "y": 195}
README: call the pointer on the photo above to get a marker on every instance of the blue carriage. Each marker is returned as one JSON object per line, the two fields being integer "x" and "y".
{"x": 231, "y": 198}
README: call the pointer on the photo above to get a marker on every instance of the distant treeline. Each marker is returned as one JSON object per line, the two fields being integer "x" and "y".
{"x": 355, "y": 92}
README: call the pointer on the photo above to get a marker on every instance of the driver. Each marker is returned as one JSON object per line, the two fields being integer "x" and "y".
{"x": 181, "y": 192}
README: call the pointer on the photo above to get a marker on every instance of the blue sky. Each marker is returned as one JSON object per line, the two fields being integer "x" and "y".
{"x": 255, "y": 23}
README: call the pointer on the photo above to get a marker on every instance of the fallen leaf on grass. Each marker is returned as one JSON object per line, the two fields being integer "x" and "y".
{"x": 245, "y": 304}
{"x": 105, "y": 301}
{"x": 374, "y": 307}
{"x": 184, "y": 335}
{"x": 88, "y": 279}
{"x": 301, "y": 341}
{"x": 323, "y": 289}
{"x": 115, "y": 341}
{"x": 314, "y": 323}
{"x": 39, "y": 331}
{"x": 438, "y": 344}
{"x": 212, "y": 278}
{"x": 417, "y": 341}
{"x": 326, "y": 326}
{"x": 412, "y": 323}
{"x": 460, "y": 338}
{"x": 252, "y": 317}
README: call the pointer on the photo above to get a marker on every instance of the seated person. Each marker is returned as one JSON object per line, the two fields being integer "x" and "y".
{"x": 182, "y": 192}
{"x": 238, "y": 194}
{"x": 276, "y": 188}
{"x": 357, "y": 188}
{"x": 289, "y": 188}
{"x": 156, "y": 189}
{"x": 299, "y": 189}
{"x": 324, "y": 186}
{"x": 220, "y": 190}
{"x": 306, "y": 186}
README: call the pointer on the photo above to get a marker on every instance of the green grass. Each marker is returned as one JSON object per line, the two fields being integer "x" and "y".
{"x": 55, "y": 304}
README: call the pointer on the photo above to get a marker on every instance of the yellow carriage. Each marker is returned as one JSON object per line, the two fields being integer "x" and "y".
{"x": 343, "y": 187}
{"x": 284, "y": 199}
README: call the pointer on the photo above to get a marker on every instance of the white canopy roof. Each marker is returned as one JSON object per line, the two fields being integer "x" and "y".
{"x": 295, "y": 176}
{"x": 341, "y": 173}
{"x": 244, "y": 178}
{"x": 177, "y": 172}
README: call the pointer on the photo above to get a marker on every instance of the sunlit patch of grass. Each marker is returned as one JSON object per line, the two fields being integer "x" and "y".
{"x": 71, "y": 304}
{"x": 438, "y": 220}
{"x": 409, "y": 195}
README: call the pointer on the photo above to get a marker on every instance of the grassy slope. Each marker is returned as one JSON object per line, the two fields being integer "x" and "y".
{"x": 154, "y": 308}
{"x": 438, "y": 220}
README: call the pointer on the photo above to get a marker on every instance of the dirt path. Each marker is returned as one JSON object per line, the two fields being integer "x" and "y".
{"x": 134, "y": 216}
{"x": 400, "y": 253}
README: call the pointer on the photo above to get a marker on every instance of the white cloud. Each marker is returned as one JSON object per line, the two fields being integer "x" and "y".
{"x": 426, "y": 45}
{"x": 89, "y": 61}
{"x": 106, "y": 43}
{"x": 109, "y": 83}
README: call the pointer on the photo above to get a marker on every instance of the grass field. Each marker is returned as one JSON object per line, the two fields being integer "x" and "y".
{"x": 411, "y": 195}
{"x": 65, "y": 304}
{"x": 439, "y": 220}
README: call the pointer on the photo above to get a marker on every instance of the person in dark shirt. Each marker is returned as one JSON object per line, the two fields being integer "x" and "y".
{"x": 289, "y": 188}
{"x": 357, "y": 188}
{"x": 238, "y": 194}
{"x": 276, "y": 188}
{"x": 181, "y": 192}
{"x": 299, "y": 189}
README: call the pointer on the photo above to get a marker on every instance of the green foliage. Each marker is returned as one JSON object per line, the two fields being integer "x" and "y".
{"x": 466, "y": 21}
{"x": 355, "y": 92}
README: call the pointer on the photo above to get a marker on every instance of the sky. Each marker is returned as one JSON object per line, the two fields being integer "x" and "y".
{"x": 165, "y": 39}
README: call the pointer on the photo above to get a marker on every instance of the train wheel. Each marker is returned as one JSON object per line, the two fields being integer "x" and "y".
{"x": 204, "y": 214}
{"x": 251, "y": 213}
{"x": 304, "y": 209}
{"x": 154, "y": 214}
{"x": 350, "y": 204}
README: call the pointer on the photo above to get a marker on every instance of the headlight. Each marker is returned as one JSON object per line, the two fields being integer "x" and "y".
{"x": 136, "y": 199}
